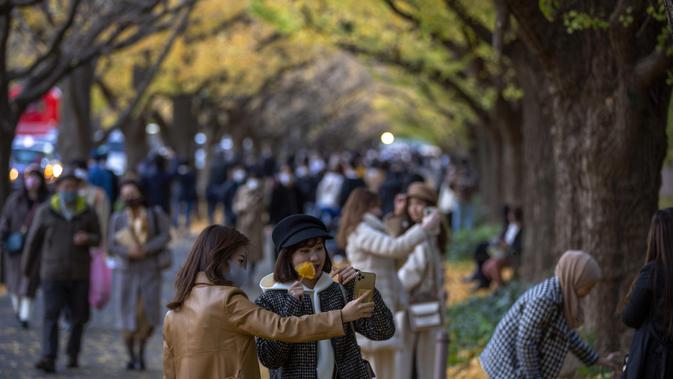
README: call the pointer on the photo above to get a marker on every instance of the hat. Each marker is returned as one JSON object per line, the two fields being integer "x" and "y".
{"x": 296, "y": 229}
{"x": 423, "y": 192}
{"x": 68, "y": 173}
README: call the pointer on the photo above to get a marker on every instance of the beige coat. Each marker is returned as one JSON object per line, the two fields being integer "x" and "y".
{"x": 416, "y": 276}
{"x": 212, "y": 334}
{"x": 249, "y": 208}
{"x": 370, "y": 249}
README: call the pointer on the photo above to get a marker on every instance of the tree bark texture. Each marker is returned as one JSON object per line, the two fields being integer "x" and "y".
{"x": 136, "y": 145}
{"x": 608, "y": 143}
{"x": 75, "y": 137}
{"x": 183, "y": 128}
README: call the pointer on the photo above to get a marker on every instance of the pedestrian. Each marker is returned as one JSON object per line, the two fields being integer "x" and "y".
{"x": 328, "y": 191}
{"x": 185, "y": 178}
{"x": 391, "y": 186}
{"x": 300, "y": 239}
{"x": 209, "y": 329}
{"x": 99, "y": 175}
{"x": 96, "y": 199}
{"x": 286, "y": 198}
{"x": 217, "y": 180}
{"x": 352, "y": 180}
{"x": 533, "y": 338}
{"x": 649, "y": 307}
{"x": 138, "y": 236}
{"x": 157, "y": 183}
{"x": 60, "y": 237}
{"x": 236, "y": 179}
{"x": 422, "y": 278}
{"x": 369, "y": 248}
{"x": 249, "y": 207}
{"x": 15, "y": 221}
{"x": 464, "y": 182}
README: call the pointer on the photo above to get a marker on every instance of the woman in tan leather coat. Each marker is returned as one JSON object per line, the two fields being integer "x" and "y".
{"x": 210, "y": 328}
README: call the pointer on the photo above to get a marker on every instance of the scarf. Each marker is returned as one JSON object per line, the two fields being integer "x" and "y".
{"x": 576, "y": 270}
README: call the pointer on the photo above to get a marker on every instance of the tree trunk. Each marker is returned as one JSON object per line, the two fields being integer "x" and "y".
{"x": 6, "y": 138}
{"x": 508, "y": 121}
{"x": 75, "y": 134}
{"x": 136, "y": 143}
{"x": 489, "y": 149}
{"x": 539, "y": 191}
{"x": 183, "y": 128}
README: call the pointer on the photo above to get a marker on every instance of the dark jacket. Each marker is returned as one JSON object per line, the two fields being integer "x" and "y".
{"x": 651, "y": 353}
{"x": 17, "y": 216}
{"x": 347, "y": 187}
{"x": 51, "y": 240}
{"x": 300, "y": 360}
{"x": 285, "y": 201}
{"x": 533, "y": 338}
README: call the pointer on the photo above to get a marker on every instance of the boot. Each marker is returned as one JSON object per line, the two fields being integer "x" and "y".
{"x": 46, "y": 364}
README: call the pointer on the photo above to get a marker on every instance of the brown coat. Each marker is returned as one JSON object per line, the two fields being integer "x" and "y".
{"x": 212, "y": 334}
{"x": 249, "y": 208}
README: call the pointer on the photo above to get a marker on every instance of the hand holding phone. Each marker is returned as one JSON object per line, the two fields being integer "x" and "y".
{"x": 365, "y": 282}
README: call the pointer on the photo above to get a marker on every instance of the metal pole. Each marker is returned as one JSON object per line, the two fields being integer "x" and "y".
{"x": 441, "y": 354}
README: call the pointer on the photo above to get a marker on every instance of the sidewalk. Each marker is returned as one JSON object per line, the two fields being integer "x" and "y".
{"x": 103, "y": 354}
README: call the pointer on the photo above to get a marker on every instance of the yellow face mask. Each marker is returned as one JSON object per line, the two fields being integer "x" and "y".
{"x": 305, "y": 270}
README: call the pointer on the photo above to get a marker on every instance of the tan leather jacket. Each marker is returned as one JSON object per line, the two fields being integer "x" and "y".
{"x": 212, "y": 334}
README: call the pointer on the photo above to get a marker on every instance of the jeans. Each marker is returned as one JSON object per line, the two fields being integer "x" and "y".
{"x": 463, "y": 217}
{"x": 185, "y": 207}
{"x": 70, "y": 295}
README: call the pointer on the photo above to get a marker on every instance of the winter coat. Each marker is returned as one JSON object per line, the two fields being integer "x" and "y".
{"x": 211, "y": 334}
{"x": 285, "y": 201}
{"x": 249, "y": 208}
{"x": 139, "y": 278}
{"x": 533, "y": 338}
{"x": 329, "y": 189}
{"x": 370, "y": 249}
{"x": 348, "y": 186}
{"x": 417, "y": 276}
{"x": 51, "y": 242}
{"x": 651, "y": 353}
{"x": 339, "y": 357}
{"x": 16, "y": 217}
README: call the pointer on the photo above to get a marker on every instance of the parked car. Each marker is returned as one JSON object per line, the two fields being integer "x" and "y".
{"x": 27, "y": 150}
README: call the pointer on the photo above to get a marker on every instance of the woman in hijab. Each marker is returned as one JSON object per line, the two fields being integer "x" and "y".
{"x": 533, "y": 338}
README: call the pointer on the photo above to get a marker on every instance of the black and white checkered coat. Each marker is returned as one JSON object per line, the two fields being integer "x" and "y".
{"x": 299, "y": 360}
{"x": 533, "y": 338}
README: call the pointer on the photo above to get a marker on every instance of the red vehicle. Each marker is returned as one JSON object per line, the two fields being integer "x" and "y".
{"x": 42, "y": 117}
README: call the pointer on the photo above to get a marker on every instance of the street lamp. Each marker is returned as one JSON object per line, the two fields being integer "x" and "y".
{"x": 387, "y": 138}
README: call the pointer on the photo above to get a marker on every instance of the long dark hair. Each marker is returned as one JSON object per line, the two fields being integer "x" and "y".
{"x": 210, "y": 253}
{"x": 359, "y": 202}
{"x": 660, "y": 251}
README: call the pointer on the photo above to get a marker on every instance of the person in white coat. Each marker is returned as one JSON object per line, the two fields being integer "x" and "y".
{"x": 422, "y": 277}
{"x": 369, "y": 248}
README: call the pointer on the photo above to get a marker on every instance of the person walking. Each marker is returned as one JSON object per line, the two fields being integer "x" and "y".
{"x": 15, "y": 221}
{"x": 301, "y": 241}
{"x": 249, "y": 207}
{"x": 185, "y": 178}
{"x": 60, "y": 237}
{"x": 138, "y": 236}
{"x": 649, "y": 306}
{"x": 535, "y": 335}
{"x": 157, "y": 183}
{"x": 210, "y": 326}
{"x": 286, "y": 198}
{"x": 369, "y": 248}
{"x": 422, "y": 278}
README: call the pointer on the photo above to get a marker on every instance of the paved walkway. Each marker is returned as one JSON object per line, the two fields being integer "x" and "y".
{"x": 103, "y": 354}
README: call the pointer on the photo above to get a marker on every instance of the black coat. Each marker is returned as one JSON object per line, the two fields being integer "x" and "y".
{"x": 651, "y": 353}
{"x": 300, "y": 360}
{"x": 285, "y": 201}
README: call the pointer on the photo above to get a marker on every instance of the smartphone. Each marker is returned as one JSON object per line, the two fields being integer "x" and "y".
{"x": 365, "y": 281}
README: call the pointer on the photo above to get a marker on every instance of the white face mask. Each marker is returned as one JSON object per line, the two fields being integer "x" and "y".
{"x": 284, "y": 178}
{"x": 239, "y": 175}
{"x": 236, "y": 274}
{"x": 253, "y": 184}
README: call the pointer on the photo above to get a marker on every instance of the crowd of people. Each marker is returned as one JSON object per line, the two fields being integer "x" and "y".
{"x": 331, "y": 219}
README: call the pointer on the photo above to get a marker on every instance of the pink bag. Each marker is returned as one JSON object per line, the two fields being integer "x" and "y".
{"x": 100, "y": 282}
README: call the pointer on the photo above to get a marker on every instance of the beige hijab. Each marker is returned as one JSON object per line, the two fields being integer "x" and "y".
{"x": 575, "y": 270}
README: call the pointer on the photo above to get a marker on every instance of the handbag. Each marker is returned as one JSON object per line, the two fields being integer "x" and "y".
{"x": 100, "y": 284}
{"x": 368, "y": 366}
{"x": 14, "y": 243}
{"x": 426, "y": 308}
